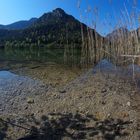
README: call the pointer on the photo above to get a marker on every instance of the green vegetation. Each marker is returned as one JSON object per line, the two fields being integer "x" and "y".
{"x": 54, "y": 29}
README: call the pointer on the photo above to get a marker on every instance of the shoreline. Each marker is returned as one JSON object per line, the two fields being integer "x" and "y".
{"x": 90, "y": 94}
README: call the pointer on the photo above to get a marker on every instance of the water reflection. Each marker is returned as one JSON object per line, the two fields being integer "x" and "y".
{"x": 104, "y": 66}
{"x": 38, "y": 54}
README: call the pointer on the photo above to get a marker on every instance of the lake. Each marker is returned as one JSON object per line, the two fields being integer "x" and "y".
{"x": 37, "y": 54}
{"x": 49, "y": 65}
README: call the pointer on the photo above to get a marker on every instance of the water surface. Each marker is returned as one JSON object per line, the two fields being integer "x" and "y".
{"x": 37, "y": 54}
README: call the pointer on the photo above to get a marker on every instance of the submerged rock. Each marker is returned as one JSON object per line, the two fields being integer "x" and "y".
{"x": 128, "y": 103}
{"x": 62, "y": 91}
{"x": 104, "y": 90}
{"x": 30, "y": 100}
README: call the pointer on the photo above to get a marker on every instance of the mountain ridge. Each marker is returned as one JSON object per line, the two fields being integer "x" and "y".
{"x": 56, "y": 28}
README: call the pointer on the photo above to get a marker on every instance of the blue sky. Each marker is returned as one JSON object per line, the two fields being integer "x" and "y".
{"x": 109, "y": 11}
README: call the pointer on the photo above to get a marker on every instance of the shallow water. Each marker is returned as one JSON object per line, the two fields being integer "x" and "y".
{"x": 12, "y": 83}
{"x": 43, "y": 64}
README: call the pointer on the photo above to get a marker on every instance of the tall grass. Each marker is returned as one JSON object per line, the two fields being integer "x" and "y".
{"x": 123, "y": 41}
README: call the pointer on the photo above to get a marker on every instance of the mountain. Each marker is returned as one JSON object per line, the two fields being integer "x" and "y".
{"x": 118, "y": 33}
{"x": 55, "y": 28}
{"x": 19, "y": 25}
{"x": 56, "y": 16}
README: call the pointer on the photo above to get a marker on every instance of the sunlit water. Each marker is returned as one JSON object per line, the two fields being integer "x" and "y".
{"x": 6, "y": 75}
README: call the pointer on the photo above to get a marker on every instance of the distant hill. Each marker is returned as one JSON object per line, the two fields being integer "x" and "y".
{"x": 118, "y": 33}
{"x": 19, "y": 25}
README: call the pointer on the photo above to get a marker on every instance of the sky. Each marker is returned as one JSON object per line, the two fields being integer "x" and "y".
{"x": 103, "y": 15}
